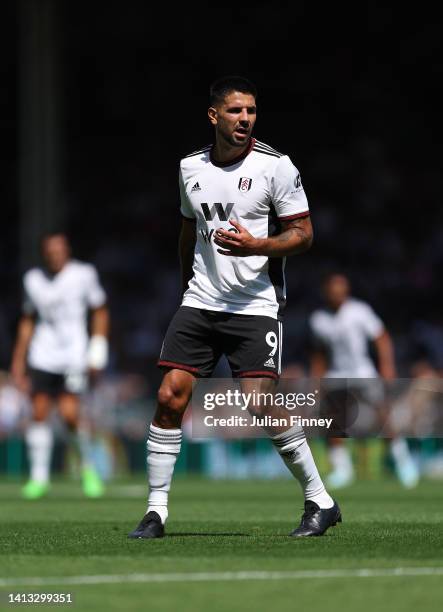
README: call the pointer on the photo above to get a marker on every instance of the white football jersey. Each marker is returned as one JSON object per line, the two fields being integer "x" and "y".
{"x": 345, "y": 334}
{"x": 60, "y": 304}
{"x": 258, "y": 190}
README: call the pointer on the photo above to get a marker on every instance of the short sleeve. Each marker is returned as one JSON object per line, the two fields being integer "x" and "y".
{"x": 287, "y": 193}
{"x": 372, "y": 324}
{"x": 95, "y": 294}
{"x": 185, "y": 205}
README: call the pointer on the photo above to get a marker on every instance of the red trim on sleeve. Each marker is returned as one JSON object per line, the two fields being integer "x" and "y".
{"x": 306, "y": 213}
{"x": 256, "y": 373}
{"x": 178, "y": 366}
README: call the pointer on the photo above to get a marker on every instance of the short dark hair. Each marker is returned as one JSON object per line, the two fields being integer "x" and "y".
{"x": 226, "y": 85}
{"x": 329, "y": 275}
{"x": 52, "y": 232}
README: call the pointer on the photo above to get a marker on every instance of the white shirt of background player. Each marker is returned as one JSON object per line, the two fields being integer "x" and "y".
{"x": 60, "y": 304}
{"x": 346, "y": 334}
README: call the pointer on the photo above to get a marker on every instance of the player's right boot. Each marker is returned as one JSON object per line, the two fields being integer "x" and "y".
{"x": 149, "y": 527}
{"x": 35, "y": 489}
{"x": 408, "y": 474}
{"x": 316, "y": 521}
{"x": 405, "y": 467}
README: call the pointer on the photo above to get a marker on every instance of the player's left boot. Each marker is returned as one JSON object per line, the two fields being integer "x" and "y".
{"x": 149, "y": 527}
{"x": 35, "y": 489}
{"x": 91, "y": 483}
{"x": 316, "y": 521}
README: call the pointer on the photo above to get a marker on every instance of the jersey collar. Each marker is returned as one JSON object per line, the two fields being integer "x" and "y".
{"x": 237, "y": 159}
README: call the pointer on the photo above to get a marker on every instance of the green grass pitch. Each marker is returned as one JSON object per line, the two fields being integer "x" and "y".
{"x": 219, "y": 526}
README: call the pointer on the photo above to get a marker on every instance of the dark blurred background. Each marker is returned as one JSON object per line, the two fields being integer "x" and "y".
{"x": 101, "y": 100}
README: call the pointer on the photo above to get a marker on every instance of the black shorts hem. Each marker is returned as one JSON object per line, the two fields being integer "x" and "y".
{"x": 257, "y": 374}
{"x": 172, "y": 365}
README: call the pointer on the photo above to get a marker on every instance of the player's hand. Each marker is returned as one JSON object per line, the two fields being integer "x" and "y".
{"x": 239, "y": 243}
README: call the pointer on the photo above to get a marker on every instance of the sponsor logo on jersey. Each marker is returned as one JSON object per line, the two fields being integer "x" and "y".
{"x": 207, "y": 234}
{"x": 244, "y": 184}
{"x": 217, "y": 209}
{"x": 298, "y": 182}
{"x": 196, "y": 188}
{"x": 269, "y": 363}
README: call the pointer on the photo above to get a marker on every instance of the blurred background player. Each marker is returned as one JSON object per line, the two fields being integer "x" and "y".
{"x": 342, "y": 332}
{"x": 53, "y": 348}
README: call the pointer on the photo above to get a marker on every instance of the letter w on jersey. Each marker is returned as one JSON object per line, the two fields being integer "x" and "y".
{"x": 217, "y": 209}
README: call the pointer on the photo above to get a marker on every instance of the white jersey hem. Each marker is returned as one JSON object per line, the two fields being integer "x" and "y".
{"x": 34, "y": 365}
{"x": 250, "y": 310}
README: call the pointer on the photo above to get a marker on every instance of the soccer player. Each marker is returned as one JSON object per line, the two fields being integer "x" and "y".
{"x": 53, "y": 347}
{"x": 342, "y": 333}
{"x": 244, "y": 210}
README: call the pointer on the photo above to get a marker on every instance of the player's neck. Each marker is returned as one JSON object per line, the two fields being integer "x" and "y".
{"x": 222, "y": 152}
{"x": 337, "y": 307}
{"x": 53, "y": 273}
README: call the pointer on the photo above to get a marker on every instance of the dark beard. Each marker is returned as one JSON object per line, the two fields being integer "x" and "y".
{"x": 233, "y": 143}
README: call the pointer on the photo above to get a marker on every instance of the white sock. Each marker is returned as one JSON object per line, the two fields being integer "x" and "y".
{"x": 39, "y": 439}
{"x": 340, "y": 459}
{"x": 163, "y": 449}
{"x": 81, "y": 442}
{"x": 400, "y": 450}
{"x": 296, "y": 454}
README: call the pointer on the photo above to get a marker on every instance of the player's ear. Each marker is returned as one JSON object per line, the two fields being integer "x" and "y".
{"x": 212, "y": 114}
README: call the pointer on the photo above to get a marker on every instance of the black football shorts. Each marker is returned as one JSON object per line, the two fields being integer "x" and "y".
{"x": 56, "y": 384}
{"x": 197, "y": 338}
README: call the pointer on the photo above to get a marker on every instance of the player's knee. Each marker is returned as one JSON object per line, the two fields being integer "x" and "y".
{"x": 257, "y": 410}
{"x": 40, "y": 413}
{"x": 261, "y": 407}
{"x": 172, "y": 398}
{"x": 71, "y": 422}
{"x": 38, "y": 417}
{"x": 40, "y": 408}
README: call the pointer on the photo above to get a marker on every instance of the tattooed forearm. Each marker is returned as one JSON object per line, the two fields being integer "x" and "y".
{"x": 296, "y": 237}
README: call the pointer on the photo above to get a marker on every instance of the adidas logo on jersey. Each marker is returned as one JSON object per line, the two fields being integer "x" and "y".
{"x": 269, "y": 363}
{"x": 196, "y": 188}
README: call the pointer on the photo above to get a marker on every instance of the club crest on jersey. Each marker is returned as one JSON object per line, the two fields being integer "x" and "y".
{"x": 244, "y": 184}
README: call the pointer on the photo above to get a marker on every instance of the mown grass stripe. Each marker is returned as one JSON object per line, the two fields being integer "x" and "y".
{"x": 223, "y": 576}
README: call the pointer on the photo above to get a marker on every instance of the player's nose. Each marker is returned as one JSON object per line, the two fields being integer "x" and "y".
{"x": 244, "y": 119}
